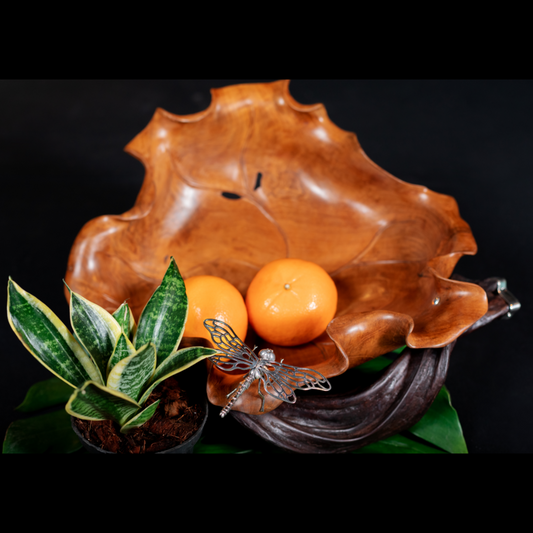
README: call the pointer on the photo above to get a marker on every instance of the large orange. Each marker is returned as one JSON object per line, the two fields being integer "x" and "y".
{"x": 291, "y": 301}
{"x": 213, "y": 297}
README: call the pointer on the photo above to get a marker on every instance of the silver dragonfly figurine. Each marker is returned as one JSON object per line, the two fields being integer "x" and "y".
{"x": 279, "y": 380}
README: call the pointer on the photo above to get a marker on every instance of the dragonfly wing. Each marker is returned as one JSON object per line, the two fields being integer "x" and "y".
{"x": 301, "y": 378}
{"x": 277, "y": 387}
{"x": 222, "y": 363}
{"x": 237, "y": 356}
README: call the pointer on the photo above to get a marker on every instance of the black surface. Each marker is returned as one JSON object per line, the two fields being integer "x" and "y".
{"x": 62, "y": 164}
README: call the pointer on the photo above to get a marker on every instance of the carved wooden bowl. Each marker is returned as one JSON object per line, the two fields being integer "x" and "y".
{"x": 258, "y": 176}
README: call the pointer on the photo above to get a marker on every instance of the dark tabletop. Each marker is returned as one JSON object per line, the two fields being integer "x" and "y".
{"x": 62, "y": 164}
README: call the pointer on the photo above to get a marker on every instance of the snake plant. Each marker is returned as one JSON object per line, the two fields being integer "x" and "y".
{"x": 112, "y": 363}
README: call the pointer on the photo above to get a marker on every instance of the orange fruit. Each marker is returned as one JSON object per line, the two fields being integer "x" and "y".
{"x": 213, "y": 297}
{"x": 291, "y": 301}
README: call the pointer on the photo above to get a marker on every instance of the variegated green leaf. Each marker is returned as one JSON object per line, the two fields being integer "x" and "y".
{"x": 96, "y": 329}
{"x": 48, "y": 339}
{"x": 163, "y": 318}
{"x": 174, "y": 363}
{"x": 96, "y": 402}
{"x": 141, "y": 418}
{"x": 124, "y": 317}
{"x": 123, "y": 348}
{"x": 130, "y": 375}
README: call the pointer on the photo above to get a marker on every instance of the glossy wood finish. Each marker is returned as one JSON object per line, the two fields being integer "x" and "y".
{"x": 393, "y": 402}
{"x": 258, "y": 176}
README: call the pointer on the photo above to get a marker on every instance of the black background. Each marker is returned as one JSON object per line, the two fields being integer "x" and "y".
{"x": 62, "y": 164}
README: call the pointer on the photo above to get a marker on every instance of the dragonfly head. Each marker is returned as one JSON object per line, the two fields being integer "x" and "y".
{"x": 267, "y": 354}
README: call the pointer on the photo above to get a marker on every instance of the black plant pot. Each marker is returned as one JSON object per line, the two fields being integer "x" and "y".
{"x": 184, "y": 447}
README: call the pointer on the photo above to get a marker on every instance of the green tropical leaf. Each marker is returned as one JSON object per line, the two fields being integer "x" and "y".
{"x": 176, "y": 362}
{"x": 397, "y": 444}
{"x": 131, "y": 374}
{"x": 124, "y": 316}
{"x": 96, "y": 402}
{"x": 440, "y": 425}
{"x": 141, "y": 418}
{"x": 96, "y": 329}
{"x": 163, "y": 318}
{"x": 221, "y": 448}
{"x": 47, "y": 338}
{"x": 374, "y": 365}
{"x": 124, "y": 348}
{"x": 48, "y": 433}
{"x": 47, "y": 393}
{"x": 378, "y": 363}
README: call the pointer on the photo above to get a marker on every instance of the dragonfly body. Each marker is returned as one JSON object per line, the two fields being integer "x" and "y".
{"x": 245, "y": 383}
{"x": 258, "y": 369}
{"x": 277, "y": 379}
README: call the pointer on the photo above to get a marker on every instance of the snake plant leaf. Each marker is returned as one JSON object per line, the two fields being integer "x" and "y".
{"x": 47, "y": 338}
{"x": 174, "y": 363}
{"x": 124, "y": 316}
{"x": 96, "y": 402}
{"x": 47, "y": 433}
{"x": 163, "y": 318}
{"x": 46, "y": 393}
{"x": 398, "y": 444}
{"x": 96, "y": 329}
{"x": 130, "y": 375}
{"x": 141, "y": 418}
{"x": 123, "y": 348}
{"x": 440, "y": 425}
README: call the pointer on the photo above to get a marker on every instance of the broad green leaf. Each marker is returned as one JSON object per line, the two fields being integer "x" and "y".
{"x": 177, "y": 362}
{"x": 124, "y": 317}
{"x": 141, "y": 418}
{"x": 47, "y": 339}
{"x": 440, "y": 425}
{"x": 130, "y": 375}
{"x": 96, "y": 329}
{"x": 379, "y": 363}
{"x": 96, "y": 402}
{"x": 47, "y": 393}
{"x": 163, "y": 318}
{"x": 123, "y": 348}
{"x": 48, "y": 433}
{"x": 374, "y": 365}
{"x": 220, "y": 448}
{"x": 397, "y": 444}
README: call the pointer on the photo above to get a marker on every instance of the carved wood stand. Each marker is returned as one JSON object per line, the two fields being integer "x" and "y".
{"x": 397, "y": 400}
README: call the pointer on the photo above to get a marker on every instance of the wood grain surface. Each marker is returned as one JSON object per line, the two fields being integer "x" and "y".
{"x": 257, "y": 176}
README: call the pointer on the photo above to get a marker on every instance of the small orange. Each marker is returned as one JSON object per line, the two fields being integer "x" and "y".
{"x": 213, "y": 297}
{"x": 291, "y": 301}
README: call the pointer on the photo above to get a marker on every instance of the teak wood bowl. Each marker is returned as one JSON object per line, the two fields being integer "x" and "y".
{"x": 258, "y": 176}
